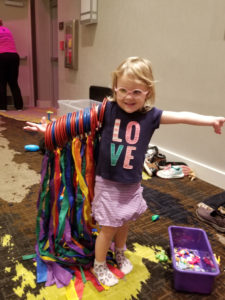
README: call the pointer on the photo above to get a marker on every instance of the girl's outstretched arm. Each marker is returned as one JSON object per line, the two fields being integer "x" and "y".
{"x": 183, "y": 117}
{"x": 41, "y": 127}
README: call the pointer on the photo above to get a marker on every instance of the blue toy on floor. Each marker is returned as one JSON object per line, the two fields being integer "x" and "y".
{"x": 32, "y": 148}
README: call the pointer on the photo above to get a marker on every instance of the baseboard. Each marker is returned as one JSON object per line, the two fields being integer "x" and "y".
{"x": 44, "y": 103}
{"x": 10, "y": 101}
{"x": 202, "y": 171}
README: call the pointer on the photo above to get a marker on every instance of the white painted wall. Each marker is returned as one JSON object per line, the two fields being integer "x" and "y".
{"x": 185, "y": 42}
{"x": 183, "y": 39}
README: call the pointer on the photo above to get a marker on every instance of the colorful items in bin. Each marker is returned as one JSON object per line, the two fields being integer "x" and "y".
{"x": 208, "y": 261}
{"x": 187, "y": 259}
{"x": 65, "y": 229}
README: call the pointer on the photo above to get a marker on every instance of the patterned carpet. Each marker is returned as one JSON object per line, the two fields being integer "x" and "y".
{"x": 173, "y": 200}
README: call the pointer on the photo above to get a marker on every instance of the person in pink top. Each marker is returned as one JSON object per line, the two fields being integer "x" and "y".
{"x": 9, "y": 69}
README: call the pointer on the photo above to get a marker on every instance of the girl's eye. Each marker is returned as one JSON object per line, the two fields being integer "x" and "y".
{"x": 122, "y": 90}
{"x": 137, "y": 92}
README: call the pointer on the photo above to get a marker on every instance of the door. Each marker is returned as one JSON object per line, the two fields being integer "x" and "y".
{"x": 54, "y": 51}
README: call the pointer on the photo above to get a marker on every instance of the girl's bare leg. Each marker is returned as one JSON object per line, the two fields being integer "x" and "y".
{"x": 121, "y": 236}
{"x": 120, "y": 241}
{"x": 103, "y": 242}
{"x": 102, "y": 245}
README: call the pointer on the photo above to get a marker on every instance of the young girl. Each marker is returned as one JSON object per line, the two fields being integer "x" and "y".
{"x": 130, "y": 120}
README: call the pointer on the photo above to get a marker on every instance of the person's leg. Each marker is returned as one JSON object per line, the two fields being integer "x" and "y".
{"x": 121, "y": 236}
{"x": 103, "y": 242}
{"x": 102, "y": 245}
{"x": 3, "y": 82}
{"x": 120, "y": 239}
{"x": 13, "y": 73}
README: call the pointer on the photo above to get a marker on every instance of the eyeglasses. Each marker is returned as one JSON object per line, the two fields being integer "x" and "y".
{"x": 136, "y": 93}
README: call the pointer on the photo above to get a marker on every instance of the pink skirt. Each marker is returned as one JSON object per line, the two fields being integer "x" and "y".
{"x": 117, "y": 203}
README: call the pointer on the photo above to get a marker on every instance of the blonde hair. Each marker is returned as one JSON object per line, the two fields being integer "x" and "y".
{"x": 139, "y": 69}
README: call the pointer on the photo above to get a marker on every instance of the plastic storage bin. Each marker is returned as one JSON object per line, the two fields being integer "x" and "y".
{"x": 68, "y": 106}
{"x": 195, "y": 241}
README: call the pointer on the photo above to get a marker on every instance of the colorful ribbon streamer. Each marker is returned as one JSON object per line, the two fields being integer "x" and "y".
{"x": 65, "y": 229}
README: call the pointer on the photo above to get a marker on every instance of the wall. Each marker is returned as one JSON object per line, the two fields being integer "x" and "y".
{"x": 69, "y": 80}
{"x": 17, "y": 19}
{"x": 185, "y": 42}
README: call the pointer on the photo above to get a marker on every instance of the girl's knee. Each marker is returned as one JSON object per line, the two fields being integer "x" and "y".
{"x": 108, "y": 231}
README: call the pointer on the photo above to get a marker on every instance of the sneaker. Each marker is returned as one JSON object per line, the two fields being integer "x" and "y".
{"x": 211, "y": 217}
{"x": 171, "y": 172}
{"x": 164, "y": 164}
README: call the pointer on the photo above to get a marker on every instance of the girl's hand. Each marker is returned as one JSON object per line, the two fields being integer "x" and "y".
{"x": 218, "y": 124}
{"x": 41, "y": 127}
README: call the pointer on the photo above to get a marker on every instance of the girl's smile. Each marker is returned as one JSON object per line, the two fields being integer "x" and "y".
{"x": 130, "y": 94}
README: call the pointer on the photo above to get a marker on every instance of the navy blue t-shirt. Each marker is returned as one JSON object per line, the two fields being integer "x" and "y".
{"x": 124, "y": 142}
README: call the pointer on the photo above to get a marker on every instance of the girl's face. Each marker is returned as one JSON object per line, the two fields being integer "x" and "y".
{"x": 130, "y": 94}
